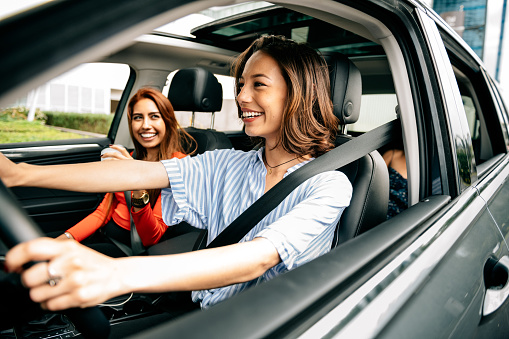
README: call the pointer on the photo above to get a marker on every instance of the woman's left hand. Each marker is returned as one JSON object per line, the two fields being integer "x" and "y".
{"x": 9, "y": 171}
{"x": 66, "y": 274}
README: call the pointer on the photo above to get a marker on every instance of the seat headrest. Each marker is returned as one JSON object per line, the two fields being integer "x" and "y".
{"x": 346, "y": 87}
{"x": 195, "y": 89}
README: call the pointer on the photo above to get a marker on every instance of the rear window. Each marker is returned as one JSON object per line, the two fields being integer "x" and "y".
{"x": 224, "y": 120}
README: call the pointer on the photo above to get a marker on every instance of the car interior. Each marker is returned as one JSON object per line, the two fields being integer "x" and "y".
{"x": 369, "y": 80}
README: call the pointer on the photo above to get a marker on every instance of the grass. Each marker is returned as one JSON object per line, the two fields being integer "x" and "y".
{"x": 12, "y": 131}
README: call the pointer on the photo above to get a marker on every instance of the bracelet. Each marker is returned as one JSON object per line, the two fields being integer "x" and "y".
{"x": 69, "y": 235}
{"x": 141, "y": 201}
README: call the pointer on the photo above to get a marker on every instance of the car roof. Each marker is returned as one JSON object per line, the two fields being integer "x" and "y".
{"x": 236, "y": 32}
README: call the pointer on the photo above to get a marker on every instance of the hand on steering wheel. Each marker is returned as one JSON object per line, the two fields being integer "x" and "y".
{"x": 16, "y": 227}
{"x": 67, "y": 274}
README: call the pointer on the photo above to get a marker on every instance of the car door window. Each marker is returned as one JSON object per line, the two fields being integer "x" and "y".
{"x": 78, "y": 104}
{"x": 501, "y": 109}
{"x": 483, "y": 116}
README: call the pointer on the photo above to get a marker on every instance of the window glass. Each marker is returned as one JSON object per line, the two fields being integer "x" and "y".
{"x": 376, "y": 110}
{"x": 502, "y": 111}
{"x": 484, "y": 124}
{"x": 78, "y": 104}
{"x": 224, "y": 120}
{"x": 473, "y": 121}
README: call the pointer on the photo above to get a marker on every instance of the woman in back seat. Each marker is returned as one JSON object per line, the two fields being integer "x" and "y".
{"x": 396, "y": 163}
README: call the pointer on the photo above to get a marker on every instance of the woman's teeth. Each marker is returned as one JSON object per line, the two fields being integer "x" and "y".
{"x": 251, "y": 114}
{"x": 148, "y": 135}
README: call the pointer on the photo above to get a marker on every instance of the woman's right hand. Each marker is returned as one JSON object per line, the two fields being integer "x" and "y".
{"x": 122, "y": 153}
{"x": 83, "y": 277}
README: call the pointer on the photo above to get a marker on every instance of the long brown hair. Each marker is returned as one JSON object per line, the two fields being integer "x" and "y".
{"x": 309, "y": 125}
{"x": 175, "y": 139}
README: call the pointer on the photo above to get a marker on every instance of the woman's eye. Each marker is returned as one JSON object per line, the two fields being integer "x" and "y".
{"x": 258, "y": 84}
{"x": 155, "y": 116}
{"x": 137, "y": 118}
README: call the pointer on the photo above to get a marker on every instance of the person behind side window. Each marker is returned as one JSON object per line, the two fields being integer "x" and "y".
{"x": 398, "y": 186}
{"x": 156, "y": 136}
{"x": 283, "y": 97}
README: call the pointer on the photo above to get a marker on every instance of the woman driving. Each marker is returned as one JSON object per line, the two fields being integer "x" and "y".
{"x": 283, "y": 98}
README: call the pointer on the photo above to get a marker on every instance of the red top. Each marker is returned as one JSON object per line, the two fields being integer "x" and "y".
{"x": 149, "y": 222}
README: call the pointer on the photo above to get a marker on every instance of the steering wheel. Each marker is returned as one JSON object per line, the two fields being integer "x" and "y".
{"x": 17, "y": 227}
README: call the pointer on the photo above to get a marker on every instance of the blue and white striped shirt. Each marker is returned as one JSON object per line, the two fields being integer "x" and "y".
{"x": 213, "y": 189}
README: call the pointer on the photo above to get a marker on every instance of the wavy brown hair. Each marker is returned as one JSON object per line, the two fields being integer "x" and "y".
{"x": 309, "y": 125}
{"x": 175, "y": 139}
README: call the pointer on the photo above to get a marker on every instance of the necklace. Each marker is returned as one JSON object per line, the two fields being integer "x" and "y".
{"x": 271, "y": 167}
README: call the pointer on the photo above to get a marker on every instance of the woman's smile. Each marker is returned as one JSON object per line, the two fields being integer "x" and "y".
{"x": 250, "y": 116}
{"x": 148, "y": 136}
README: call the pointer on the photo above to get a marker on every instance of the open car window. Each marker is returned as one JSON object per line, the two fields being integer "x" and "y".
{"x": 78, "y": 104}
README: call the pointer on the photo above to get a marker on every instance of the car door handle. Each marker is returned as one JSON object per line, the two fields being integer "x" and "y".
{"x": 496, "y": 278}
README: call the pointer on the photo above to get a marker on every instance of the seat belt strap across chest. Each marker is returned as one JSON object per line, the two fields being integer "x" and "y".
{"x": 338, "y": 157}
{"x": 136, "y": 243}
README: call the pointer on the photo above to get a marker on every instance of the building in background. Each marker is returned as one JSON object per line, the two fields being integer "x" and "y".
{"x": 467, "y": 18}
{"x": 88, "y": 88}
{"x": 481, "y": 23}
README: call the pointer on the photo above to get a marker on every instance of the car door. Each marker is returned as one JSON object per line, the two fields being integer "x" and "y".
{"x": 71, "y": 100}
{"x": 462, "y": 295}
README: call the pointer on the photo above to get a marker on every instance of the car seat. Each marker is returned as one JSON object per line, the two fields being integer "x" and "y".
{"x": 197, "y": 90}
{"x": 368, "y": 175}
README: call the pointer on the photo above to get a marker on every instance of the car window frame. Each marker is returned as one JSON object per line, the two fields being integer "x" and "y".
{"x": 454, "y": 126}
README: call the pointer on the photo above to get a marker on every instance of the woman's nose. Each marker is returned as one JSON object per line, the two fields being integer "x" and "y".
{"x": 146, "y": 123}
{"x": 244, "y": 95}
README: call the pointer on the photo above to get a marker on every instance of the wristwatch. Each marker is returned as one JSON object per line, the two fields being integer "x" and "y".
{"x": 141, "y": 201}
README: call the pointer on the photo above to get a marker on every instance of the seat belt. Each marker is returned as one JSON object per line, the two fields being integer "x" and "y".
{"x": 340, "y": 156}
{"x": 136, "y": 243}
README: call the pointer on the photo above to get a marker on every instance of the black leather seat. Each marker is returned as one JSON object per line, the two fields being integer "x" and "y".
{"x": 368, "y": 175}
{"x": 197, "y": 90}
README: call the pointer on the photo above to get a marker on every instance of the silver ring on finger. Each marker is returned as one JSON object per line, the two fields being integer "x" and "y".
{"x": 53, "y": 278}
